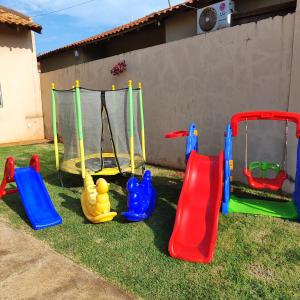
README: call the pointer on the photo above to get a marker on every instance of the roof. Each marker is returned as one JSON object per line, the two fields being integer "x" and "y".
{"x": 15, "y": 18}
{"x": 153, "y": 17}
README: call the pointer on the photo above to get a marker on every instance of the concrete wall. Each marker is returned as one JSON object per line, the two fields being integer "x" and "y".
{"x": 63, "y": 60}
{"x": 21, "y": 117}
{"x": 206, "y": 79}
{"x": 248, "y": 5}
{"x": 181, "y": 26}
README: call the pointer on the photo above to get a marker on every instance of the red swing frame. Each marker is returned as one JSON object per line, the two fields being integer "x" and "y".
{"x": 273, "y": 184}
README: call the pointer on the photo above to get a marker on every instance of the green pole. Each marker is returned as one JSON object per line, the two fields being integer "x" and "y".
{"x": 131, "y": 138}
{"x": 54, "y": 128}
{"x": 142, "y": 121}
{"x": 79, "y": 126}
{"x": 75, "y": 117}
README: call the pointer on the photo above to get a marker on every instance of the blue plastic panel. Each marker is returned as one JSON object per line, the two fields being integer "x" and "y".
{"x": 296, "y": 195}
{"x": 227, "y": 158}
{"x": 191, "y": 141}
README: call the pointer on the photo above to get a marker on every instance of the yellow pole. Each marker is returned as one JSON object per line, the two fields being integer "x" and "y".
{"x": 113, "y": 87}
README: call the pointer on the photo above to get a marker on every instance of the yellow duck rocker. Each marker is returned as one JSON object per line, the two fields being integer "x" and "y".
{"x": 95, "y": 200}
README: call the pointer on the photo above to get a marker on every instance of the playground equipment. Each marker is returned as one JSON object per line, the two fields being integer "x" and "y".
{"x": 141, "y": 198}
{"x": 196, "y": 224}
{"x": 207, "y": 180}
{"x": 95, "y": 200}
{"x": 262, "y": 182}
{"x": 232, "y": 203}
{"x": 35, "y": 198}
{"x": 100, "y": 130}
{"x": 191, "y": 140}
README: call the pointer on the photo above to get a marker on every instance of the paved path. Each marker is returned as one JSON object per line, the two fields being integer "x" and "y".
{"x": 31, "y": 270}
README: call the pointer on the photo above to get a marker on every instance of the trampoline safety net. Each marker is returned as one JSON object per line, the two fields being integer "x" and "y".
{"x": 105, "y": 119}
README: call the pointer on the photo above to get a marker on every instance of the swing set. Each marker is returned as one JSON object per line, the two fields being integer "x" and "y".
{"x": 232, "y": 203}
{"x": 263, "y": 182}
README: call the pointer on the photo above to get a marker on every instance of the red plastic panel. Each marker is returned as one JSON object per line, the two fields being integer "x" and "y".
{"x": 196, "y": 224}
{"x": 272, "y": 184}
{"x": 9, "y": 170}
{"x": 35, "y": 162}
{"x": 176, "y": 134}
{"x": 8, "y": 177}
{"x": 265, "y": 115}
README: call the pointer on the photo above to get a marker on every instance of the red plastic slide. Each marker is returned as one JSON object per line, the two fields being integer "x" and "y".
{"x": 196, "y": 224}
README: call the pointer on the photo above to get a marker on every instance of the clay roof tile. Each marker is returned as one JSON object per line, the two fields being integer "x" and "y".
{"x": 15, "y": 18}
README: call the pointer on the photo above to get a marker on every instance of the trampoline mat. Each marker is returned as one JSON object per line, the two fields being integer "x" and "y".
{"x": 94, "y": 163}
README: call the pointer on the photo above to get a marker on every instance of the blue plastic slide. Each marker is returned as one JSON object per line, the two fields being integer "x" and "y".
{"x": 36, "y": 200}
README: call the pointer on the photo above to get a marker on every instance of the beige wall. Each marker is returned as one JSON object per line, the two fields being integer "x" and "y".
{"x": 63, "y": 60}
{"x": 181, "y": 25}
{"x": 205, "y": 79}
{"x": 248, "y": 5}
{"x": 21, "y": 116}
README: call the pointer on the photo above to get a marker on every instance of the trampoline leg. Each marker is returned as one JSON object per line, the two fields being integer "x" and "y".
{"x": 143, "y": 169}
{"x": 60, "y": 179}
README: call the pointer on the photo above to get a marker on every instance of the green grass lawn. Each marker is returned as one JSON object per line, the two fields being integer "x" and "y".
{"x": 256, "y": 257}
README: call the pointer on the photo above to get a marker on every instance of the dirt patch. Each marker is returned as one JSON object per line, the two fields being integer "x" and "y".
{"x": 261, "y": 236}
{"x": 31, "y": 270}
{"x": 261, "y": 272}
{"x": 217, "y": 271}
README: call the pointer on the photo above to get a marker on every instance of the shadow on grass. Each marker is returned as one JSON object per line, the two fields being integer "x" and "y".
{"x": 121, "y": 200}
{"x": 73, "y": 204}
{"x": 68, "y": 180}
{"x": 292, "y": 256}
{"x": 161, "y": 222}
{"x": 14, "y": 203}
{"x": 245, "y": 191}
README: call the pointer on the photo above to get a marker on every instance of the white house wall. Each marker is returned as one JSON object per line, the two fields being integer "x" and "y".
{"x": 21, "y": 117}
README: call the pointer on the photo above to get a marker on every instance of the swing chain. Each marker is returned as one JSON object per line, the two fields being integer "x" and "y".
{"x": 246, "y": 146}
{"x": 285, "y": 145}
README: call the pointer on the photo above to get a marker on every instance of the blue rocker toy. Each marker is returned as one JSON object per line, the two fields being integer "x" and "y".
{"x": 141, "y": 198}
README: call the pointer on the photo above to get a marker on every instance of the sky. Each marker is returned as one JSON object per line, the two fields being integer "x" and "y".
{"x": 81, "y": 21}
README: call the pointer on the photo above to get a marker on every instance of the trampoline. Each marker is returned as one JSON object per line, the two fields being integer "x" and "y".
{"x": 102, "y": 131}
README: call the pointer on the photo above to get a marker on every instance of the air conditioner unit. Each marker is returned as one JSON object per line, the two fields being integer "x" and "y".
{"x": 215, "y": 16}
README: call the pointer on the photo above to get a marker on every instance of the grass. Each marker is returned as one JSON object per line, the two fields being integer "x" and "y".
{"x": 256, "y": 257}
{"x": 242, "y": 190}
